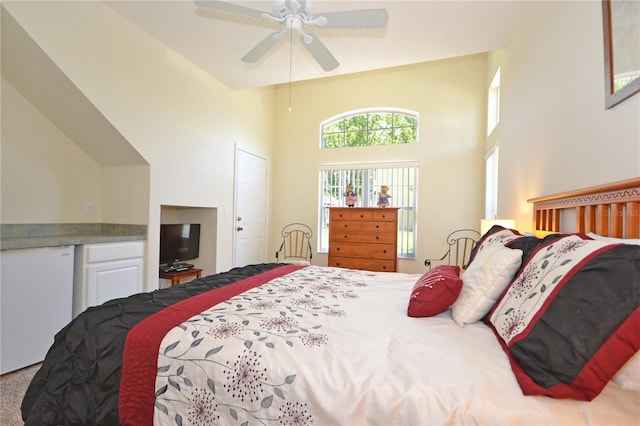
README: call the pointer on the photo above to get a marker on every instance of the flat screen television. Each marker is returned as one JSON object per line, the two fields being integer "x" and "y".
{"x": 179, "y": 242}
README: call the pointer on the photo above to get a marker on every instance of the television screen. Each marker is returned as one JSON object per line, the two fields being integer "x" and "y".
{"x": 179, "y": 242}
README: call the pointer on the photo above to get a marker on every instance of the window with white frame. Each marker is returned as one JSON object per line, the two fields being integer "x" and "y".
{"x": 493, "y": 107}
{"x": 401, "y": 178}
{"x": 491, "y": 184}
{"x": 388, "y": 126}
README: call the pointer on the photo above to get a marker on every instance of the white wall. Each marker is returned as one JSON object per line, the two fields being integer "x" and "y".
{"x": 555, "y": 133}
{"x": 450, "y": 98}
{"x": 183, "y": 122}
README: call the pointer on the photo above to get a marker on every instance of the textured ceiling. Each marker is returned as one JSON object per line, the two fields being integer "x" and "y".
{"x": 417, "y": 31}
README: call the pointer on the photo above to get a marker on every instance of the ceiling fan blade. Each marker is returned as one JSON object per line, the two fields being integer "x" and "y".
{"x": 365, "y": 18}
{"x": 261, "y": 48}
{"x": 223, "y": 6}
{"x": 321, "y": 54}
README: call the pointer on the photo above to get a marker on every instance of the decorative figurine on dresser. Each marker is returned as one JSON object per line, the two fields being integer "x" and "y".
{"x": 364, "y": 238}
{"x": 383, "y": 196}
{"x": 350, "y": 196}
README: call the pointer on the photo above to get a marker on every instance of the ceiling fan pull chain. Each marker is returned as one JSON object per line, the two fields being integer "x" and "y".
{"x": 290, "y": 66}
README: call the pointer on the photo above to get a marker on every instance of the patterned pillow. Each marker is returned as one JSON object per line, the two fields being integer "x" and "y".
{"x": 570, "y": 319}
{"x": 496, "y": 235}
{"x": 528, "y": 245}
{"x": 435, "y": 291}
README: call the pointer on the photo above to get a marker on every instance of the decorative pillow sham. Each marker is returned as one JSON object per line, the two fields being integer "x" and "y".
{"x": 495, "y": 235}
{"x": 570, "y": 319}
{"x": 528, "y": 244}
{"x": 435, "y": 291}
{"x": 484, "y": 281}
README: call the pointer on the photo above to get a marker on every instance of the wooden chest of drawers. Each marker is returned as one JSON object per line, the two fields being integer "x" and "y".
{"x": 364, "y": 238}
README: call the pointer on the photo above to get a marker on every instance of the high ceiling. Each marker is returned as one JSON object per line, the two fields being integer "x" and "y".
{"x": 417, "y": 31}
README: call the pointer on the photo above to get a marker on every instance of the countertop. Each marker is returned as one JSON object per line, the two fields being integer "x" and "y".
{"x": 23, "y": 236}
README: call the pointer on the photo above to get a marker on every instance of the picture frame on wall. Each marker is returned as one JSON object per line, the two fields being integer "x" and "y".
{"x": 621, "y": 25}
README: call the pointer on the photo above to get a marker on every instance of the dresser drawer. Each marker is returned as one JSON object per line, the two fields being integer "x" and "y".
{"x": 350, "y": 214}
{"x": 384, "y": 215}
{"x": 364, "y": 251}
{"x": 376, "y": 265}
{"x": 378, "y": 227}
{"x": 343, "y": 226}
{"x": 343, "y": 236}
{"x": 378, "y": 238}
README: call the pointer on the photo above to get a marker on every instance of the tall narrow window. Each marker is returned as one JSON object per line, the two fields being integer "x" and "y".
{"x": 493, "y": 110}
{"x": 491, "y": 185}
{"x": 401, "y": 179}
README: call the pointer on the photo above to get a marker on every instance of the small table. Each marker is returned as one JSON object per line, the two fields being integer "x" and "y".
{"x": 175, "y": 277}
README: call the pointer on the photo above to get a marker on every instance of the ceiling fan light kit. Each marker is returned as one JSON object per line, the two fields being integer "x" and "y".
{"x": 295, "y": 16}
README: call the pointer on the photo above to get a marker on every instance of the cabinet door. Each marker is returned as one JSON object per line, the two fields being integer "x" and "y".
{"x": 37, "y": 286}
{"x": 112, "y": 280}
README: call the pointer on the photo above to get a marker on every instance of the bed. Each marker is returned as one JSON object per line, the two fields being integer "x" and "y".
{"x": 540, "y": 329}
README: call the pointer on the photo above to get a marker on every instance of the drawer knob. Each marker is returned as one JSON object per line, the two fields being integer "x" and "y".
{"x": 377, "y": 226}
{"x": 384, "y": 266}
{"x": 384, "y": 251}
{"x": 384, "y": 216}
{"x": 346, "y": 225}
{"x": 377, "y": 237}
{"x": 338, "y": 249}
{"x": 361, "y": 215}
{"x": 346, "y": 236}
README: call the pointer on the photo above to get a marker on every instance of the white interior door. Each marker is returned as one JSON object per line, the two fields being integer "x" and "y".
{"x": 250, "y": 222}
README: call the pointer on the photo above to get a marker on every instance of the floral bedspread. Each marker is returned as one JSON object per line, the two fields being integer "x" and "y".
{"x": 331, "y": 346}
{"x": 235, "y": 362}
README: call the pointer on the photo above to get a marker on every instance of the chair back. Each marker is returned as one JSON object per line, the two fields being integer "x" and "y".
{"x": 296, "y": 244}
{"x": 460, "y": 244}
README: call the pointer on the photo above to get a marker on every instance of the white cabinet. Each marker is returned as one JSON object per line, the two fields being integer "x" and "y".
{"x": 107, "y": 271}
{"x": 35, "y": 302}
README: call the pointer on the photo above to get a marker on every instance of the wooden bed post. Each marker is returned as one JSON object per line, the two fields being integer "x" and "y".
{"x": 632, "y": 228}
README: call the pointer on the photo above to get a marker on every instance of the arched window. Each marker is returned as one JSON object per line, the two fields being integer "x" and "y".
{"x": 369, "y": 128}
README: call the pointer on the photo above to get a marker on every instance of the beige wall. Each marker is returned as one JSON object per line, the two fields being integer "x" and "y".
{"x": 555, "y": 134}
{"x": 450, "y": 99}
{"x": 182, "y": 121}
{"x": 125, "y": 192}
{"x": 46, "y": 177}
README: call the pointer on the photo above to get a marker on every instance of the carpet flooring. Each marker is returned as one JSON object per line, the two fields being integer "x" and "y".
{"x": 12, "y": 388}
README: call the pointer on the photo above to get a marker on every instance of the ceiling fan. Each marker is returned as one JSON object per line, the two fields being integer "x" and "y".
{"x": 295, "y": 16}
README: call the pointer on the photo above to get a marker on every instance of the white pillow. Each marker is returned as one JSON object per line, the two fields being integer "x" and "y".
{"x": 629, "y": 376}
{"x": 598, "y": 237}
{"x": 484, "y": 281}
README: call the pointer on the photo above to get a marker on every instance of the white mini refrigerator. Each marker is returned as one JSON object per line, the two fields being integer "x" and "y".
{"x": 36, "y": 294}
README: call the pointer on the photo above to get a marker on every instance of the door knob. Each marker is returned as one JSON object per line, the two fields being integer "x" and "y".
{"x": 239, "y": 228}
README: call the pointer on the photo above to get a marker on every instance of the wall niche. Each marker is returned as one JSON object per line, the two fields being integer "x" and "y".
{"x": 207, "y": 217}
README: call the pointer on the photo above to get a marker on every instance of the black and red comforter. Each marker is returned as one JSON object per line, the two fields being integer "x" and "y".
{"x": 79, "y": 380}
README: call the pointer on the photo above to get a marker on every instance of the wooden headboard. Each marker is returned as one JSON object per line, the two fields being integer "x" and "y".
{"x": 611, "y": 210}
